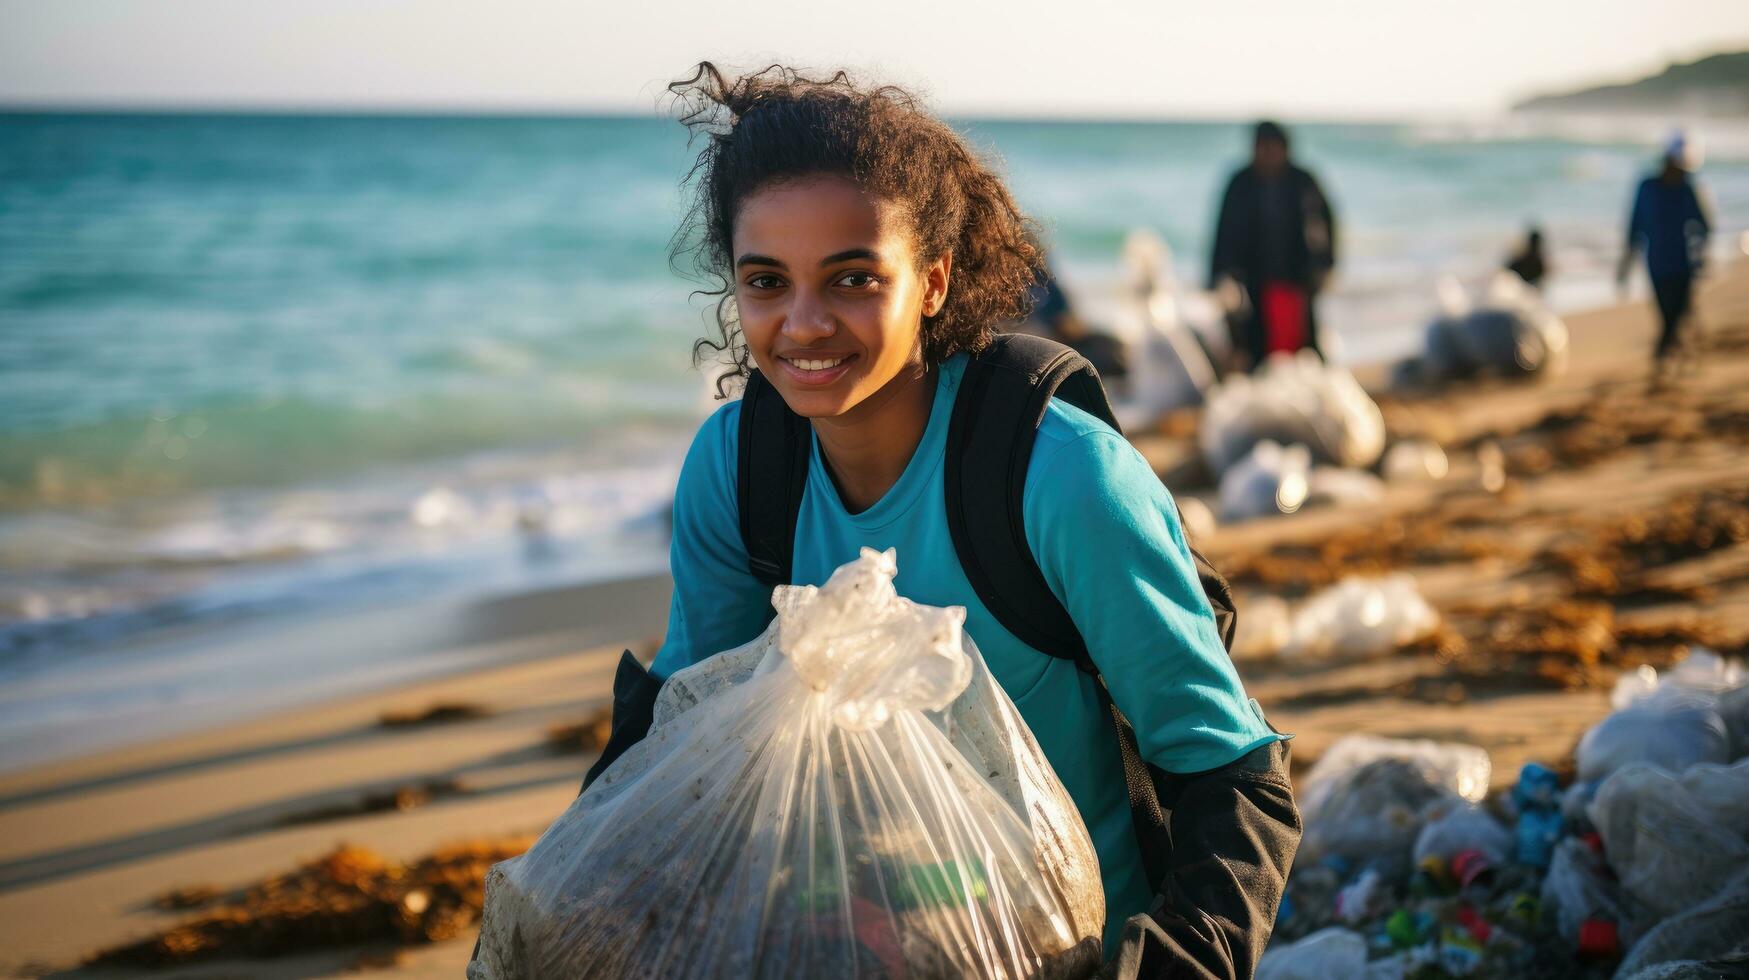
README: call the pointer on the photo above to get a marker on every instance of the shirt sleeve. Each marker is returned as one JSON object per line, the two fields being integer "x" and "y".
{"x": 718, "y": 604}
{"x": 1106, "y": 534}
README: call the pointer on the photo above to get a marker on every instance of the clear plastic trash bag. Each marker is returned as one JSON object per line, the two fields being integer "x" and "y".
{"x": 1673, "y": 840}
{"x": 1270, "y": 479}
{"x": 849, "y": 795}
{"x": 1297, "y": 399}
{"x": 1360, "y": 617}
{"x": 1709, "y": 940}
{"x": 1671, "y": 721}
{"x": 1511, "y": 333}
{"x": 1579, "y": 887}
{"x": 1367, "y": 797}
{"x": 1328, "y": 953}
{"x": 1464, "y": 828}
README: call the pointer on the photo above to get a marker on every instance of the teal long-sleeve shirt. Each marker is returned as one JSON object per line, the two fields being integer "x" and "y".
{"x": 1106, "y": 534}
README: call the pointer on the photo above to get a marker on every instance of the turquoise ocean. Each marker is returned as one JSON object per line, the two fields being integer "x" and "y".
{"x": 258, "y": 366}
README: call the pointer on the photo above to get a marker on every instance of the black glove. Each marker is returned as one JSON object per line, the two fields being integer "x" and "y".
{"x": 634, "y": 705}
{"x": 1234, "y": 833}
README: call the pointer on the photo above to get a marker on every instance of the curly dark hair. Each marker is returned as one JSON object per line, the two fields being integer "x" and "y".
{"x": 778, "y": 124}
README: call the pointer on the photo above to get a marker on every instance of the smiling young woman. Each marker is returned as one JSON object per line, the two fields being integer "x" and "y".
{"x": 865, "y": 258}
{"x": 832, "y": 298}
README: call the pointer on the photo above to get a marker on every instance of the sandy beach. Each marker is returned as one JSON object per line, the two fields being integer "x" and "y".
{"x": 88, "y": 844}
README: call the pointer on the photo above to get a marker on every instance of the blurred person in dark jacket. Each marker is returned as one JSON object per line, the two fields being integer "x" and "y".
{"x": 1529, "y": 264}
{"x": 1670, "y": 224}
{"x": 1275, "y": 242}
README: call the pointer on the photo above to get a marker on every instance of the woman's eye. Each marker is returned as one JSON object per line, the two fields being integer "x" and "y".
{"x": 856, "y": 280}
{"x": 764, "y": 280}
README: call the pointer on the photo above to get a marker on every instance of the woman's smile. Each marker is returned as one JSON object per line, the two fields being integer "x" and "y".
{"x": 816, "y": 370}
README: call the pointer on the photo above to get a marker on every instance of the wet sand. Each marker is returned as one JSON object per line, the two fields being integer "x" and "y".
{"x": 86, "y": 845}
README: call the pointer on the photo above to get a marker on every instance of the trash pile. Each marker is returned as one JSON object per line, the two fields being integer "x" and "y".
{"x": 1510, "y": 333}
{"x": 1297, "y": 399}
{"x": 1298, "y": 433}
{"x": 1637, "y": 869}
{"x": 850, "y": 794}
{"x": 1356, "y": 618}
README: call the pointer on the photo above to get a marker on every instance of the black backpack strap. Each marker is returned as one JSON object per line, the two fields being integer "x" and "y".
{"x": 1002, "y": 399}
{"x": 771, "y": 475}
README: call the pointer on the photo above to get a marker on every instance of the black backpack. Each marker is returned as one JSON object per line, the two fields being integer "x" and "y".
{"x": 996, "y": 415}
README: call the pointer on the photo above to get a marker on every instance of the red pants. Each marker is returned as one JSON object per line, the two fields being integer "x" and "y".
{"x": 1283, "y": 310}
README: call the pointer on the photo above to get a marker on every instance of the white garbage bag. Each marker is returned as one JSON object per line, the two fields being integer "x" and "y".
{"x": 1673, "y": 839}
{"x": 851, "y": 794}
{"x": 1333, "y": 952}
{"x": 1269, "y": 480}
{"x": 1297, "y": 399}
{"x": 1360, "y": 617}
{"x": 1672, "y": 721}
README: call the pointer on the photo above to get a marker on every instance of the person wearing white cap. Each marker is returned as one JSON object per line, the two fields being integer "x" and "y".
{"x": 1670, "y": 224}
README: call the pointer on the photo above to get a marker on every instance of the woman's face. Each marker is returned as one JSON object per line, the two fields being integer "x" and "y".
{"x": 830, "y": 294}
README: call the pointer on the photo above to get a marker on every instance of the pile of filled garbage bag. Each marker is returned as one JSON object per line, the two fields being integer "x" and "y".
{"x": 851, "y": 794}
{"x": 1510, "y": 333}
{"x": 1637, "y": 869}
{"x": 1297, "y": 432}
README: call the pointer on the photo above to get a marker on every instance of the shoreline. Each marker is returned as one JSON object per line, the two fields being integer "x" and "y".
{"x": 90, "y": 840}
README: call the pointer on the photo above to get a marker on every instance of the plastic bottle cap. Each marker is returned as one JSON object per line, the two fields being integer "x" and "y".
{"x": 1469, "y": 865}
{"x": 1477, "y": 926}
{"x": 1598, "y": 938}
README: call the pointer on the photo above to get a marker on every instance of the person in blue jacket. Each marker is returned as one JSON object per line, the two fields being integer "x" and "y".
{"x": 863, "y": 253}
{"x": 1669, "y": 223}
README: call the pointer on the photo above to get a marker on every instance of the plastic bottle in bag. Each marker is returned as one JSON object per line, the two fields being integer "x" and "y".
{"x": 851, "y": 794}
{"x": 1537, "y": 798}
{"x": 1578, "y": 889}
{"x": 1470, "y": 842}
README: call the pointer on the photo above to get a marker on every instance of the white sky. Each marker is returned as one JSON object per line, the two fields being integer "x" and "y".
{"x": 1321, "y": 58}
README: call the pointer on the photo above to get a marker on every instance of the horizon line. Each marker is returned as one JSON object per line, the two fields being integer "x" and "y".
{"x": 536, "y": 111}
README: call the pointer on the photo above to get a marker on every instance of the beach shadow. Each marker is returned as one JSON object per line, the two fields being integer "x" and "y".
{"x": 252, "y": 754}
{"x": 276, "y": 815}
{"x": 326, "y": 963}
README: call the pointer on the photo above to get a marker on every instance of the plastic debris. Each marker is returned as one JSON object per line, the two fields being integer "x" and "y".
{"x": 1672, "y": 722}
{"x": 1579, "y": 888}
{"x": 1673, "y": 840}
{"x": 1366, "y": 798}
{"x": 1415, "y": 459}
{"x": 1360, "y": 617}
{"x": 1293, "y": 400}
{"x": 1362, "y": 899}
{"x": 1264, "y": 626}
{"x": 1471, "y": 842}
{"x": 1400, "y": 857}
{"x": 1537, "y": 798}
{"x": 1332, "y": 952}
{"x": 1511, "y": 334}
{"x": 1268, "y": 480}
{"x": 755, "y": 830}
{"x": 1713, "y": 935}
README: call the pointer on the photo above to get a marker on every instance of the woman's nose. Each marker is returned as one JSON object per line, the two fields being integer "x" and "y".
{"x": 809, "y": 318}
